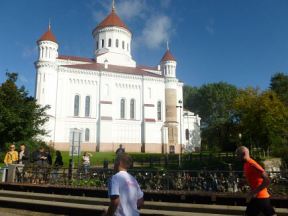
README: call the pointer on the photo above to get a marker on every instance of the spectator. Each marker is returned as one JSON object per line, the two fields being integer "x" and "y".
{"x": 58, "y": 160}
{"x": 11, "y": 156}
{"x": 120, "y": 150}
{"x": 40, "y": 157}
{"x": 126, "y": 197}
{"x": 49, "y": 158}
{"x": 86, "y": 161}
{"x": 258, "y": 199}
{"x": 24, "y": 155}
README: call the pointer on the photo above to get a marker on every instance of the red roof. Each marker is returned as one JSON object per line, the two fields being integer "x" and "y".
{"x": 48, "y": 36}
{"x": 111, "y": 20}
{"x": 76, "y": 58}
{"x": 113, "y": 68}
{"x": 168, "y": 56}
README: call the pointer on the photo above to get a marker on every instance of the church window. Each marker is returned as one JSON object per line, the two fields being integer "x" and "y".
{"x": 102, "y": 43}
{"x": 106, "y": 90}
{"x": 87, "y": 134}
{"x": 109, "y": 42}
{"x": 97, "y": 45}
{"x": 159, "y": 111}
{"x": 76, "y": 105}
{"x": 123, "y": 45}
{"x": 127, "y": 46}
{"x": 87, "y": 106}
{"x": 117, "y": 43}
{"x": 149, "y": 93}
{"x": 122, "y": 108}
{"x": 132, "y": 109}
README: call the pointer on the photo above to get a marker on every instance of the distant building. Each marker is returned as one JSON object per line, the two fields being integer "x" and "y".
{"x": 191, "y": 125}
{"x": 110, "y": 98}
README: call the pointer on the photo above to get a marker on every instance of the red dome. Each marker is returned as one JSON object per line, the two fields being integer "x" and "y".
{"x": 112, "y": 20}
{"x": 48, "y": 36}
{"x": 168, "y": 56}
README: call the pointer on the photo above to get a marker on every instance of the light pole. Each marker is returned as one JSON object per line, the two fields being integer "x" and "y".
{"x": 180, "y": 121}
{"x": 240, "y": 136}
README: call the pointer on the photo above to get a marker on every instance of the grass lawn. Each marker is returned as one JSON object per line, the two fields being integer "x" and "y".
{"x": 96, "y": 159}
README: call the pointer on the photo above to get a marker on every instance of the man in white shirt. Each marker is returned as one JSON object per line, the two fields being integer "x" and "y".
{"x": 126, "y": 197}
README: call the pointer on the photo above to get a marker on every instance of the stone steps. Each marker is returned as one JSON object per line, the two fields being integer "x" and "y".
{"x": 80, "y": 205}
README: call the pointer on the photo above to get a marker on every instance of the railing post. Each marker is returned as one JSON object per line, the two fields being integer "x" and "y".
{"x": 70, "y": 170}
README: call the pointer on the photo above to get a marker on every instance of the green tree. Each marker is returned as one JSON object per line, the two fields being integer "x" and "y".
{"x": 262, "y": 117}
{"x": 21, "y": 118}
{"x": 279, "y": 84}
{"x": 188, "y": 93}
{"x": 213, "y": 104}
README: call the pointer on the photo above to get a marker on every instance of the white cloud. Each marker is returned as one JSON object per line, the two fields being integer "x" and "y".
{"x": 157, "y": 31}
{"x": 126, "y": 9}
{"x": 165, "y": 3}
{"x": 131, "y": 8}
{"x": 23, "y": 79}
{"x": 98, "y": 16}
{"x": 28, "y": 52}
{"x": 210, "y": 28}
{"x": 99, "y": 9}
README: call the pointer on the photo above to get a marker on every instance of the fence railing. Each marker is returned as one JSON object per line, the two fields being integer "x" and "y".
{"x": 164, "y": 180}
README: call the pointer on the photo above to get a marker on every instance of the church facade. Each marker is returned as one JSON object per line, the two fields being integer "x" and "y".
{"x": 110, "y": 99}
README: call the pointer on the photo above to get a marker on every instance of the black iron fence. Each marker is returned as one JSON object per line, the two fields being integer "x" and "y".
{"x": 150, "y": 180}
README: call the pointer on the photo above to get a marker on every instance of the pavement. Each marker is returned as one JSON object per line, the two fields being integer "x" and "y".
{"x": 20, "y": 212}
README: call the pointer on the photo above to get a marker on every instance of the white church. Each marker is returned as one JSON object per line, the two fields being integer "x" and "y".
{"x": 110, "y": 99}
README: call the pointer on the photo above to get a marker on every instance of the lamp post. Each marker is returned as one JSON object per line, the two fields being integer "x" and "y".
{"x": 180, "y": 121}
{"x": 240, "y": 136}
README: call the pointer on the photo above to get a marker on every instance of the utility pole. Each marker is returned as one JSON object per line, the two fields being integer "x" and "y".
{"x": 180, "y": 121}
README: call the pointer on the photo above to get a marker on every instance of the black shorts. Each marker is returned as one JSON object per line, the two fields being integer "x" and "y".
{"x": 255, "y": 206}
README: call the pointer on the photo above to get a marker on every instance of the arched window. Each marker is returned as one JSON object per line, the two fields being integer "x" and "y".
{"x": 132, "y": 109}
{"x": 97, "y": 45}
{"x": 159, "y": 111}
{"x": 109, "y": 42}
{"x": 102, "y": 43}
{"x": 123, "y": 45}
{"x": 87, "y": 106}
{"x": 117, "y": 43}
{"x": 87, "y": 135}
{"x": 122, "y": 108}
{"x": 76, "y": 105}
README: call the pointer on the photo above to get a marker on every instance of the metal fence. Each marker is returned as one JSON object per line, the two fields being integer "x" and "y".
{"x": 163, "y": 180}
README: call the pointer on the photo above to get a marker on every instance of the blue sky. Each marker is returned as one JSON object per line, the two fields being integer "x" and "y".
{"x": 242, "y": 42}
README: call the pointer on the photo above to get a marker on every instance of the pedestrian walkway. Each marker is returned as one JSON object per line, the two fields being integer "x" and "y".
{"x": 20, "y": 212}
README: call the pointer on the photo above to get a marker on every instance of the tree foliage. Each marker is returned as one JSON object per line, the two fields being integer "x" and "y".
{"x": 260, "y": 116}
{"x": 21, "y": 118}
{"x": 263, "y": 118}
{"x": 279, "y": 84}
{"x": 213, "y": 103}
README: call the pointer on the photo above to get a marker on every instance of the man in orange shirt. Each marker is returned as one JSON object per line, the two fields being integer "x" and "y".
{"x": 258, "y": 198}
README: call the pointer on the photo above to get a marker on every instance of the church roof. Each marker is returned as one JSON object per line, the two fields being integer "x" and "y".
{"x": 112, "y": 20}
{"x": 168, "y": 56}
{"x": 76, "y": 58}
{"x": 114, "y": 68}
{"x": 48, "y": 36}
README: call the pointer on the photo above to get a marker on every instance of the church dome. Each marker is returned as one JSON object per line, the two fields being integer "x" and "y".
{"x": 168, "y": 56}
{"x": 48, "y": 36}
{"x": 112, "y": 20}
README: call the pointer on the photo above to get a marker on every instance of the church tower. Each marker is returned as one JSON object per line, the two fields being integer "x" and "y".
{"x": 168, "y": 69}
{"x": 113, "y": 41}
{"x": 46, "y": 68}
